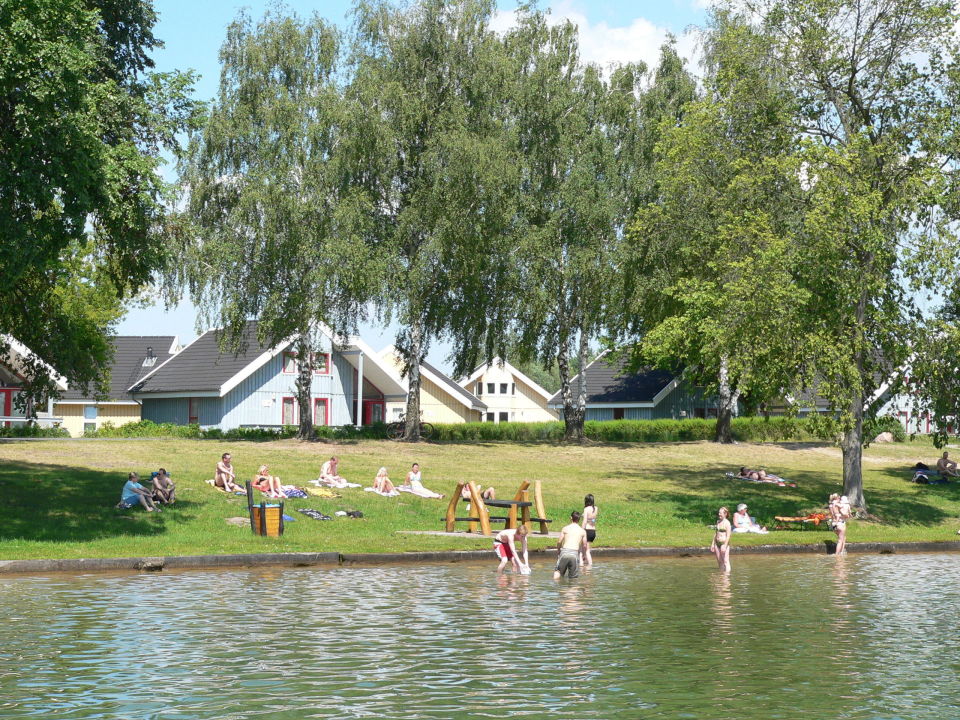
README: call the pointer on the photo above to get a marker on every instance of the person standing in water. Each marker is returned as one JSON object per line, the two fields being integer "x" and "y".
{"x": 590, "y": 526}
{"x": 720, "y": 546}
{"x": 505, "y": 547}
{"x": 839, "y": 514}
{"x": 572, "y": 542}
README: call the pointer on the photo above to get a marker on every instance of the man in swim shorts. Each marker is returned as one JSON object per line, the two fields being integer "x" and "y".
{"x": 573, "y": 541}
{"x": 505, "y": 546}
{"x": 946, "y": 466}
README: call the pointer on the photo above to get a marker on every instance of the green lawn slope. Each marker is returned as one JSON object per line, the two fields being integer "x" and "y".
{"x": 58, "y": 496}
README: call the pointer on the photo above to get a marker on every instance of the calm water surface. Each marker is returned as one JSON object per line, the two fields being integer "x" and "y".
{"x": 785, "y": 637}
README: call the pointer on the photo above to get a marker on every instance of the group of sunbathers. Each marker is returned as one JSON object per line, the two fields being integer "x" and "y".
{"x": 163, "y": 491}
{"x": 946, "y": 468}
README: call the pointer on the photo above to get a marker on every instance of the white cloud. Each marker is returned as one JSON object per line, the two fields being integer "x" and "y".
{"x": 640, "y": 41}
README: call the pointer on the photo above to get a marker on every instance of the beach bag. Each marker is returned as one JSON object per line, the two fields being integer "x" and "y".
{"x": 921, "y": 466}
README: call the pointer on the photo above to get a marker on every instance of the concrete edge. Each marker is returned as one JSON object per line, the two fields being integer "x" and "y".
{"x": 199, "y": 562}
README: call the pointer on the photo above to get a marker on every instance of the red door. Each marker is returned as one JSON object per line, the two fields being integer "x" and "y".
{"x": 7, "y": 404}
{"x": 373, "y": 411}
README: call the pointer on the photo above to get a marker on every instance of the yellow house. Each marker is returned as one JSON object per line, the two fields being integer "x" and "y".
{"x": 441, "y": 399}
{"x": 510, "y": 396}
{"x": 134, "y": 356}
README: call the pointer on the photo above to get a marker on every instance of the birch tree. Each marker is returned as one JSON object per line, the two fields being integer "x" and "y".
{"x": 577, "y": 143}
{"x": 711, "y": 256}
{"x": 425, "y": 150}
{"x": 271, "y": 234}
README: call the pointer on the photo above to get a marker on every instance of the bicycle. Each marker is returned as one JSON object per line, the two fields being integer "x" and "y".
{"x": 397, "y": 429}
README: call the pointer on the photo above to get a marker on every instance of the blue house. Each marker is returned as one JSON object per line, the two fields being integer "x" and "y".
{"x": 614, "y": 393}
{"x": 256, "y": 388}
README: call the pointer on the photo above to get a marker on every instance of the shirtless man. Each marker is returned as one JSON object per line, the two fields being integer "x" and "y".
{"x": 164, "y": 489}
{"x": 329, "y": 475}
{"x": 505, "y": 548}
{"x": 946, "y": 466}
{"x": 225, "y": 477}
{"x": 572, "y": 542}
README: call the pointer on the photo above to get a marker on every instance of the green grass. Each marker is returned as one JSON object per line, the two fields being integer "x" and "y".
{"x": 59, "y": 495}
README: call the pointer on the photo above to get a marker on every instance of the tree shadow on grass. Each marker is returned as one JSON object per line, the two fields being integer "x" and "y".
{"x": 704, "y": 491}
{"x": 61, "y": 503}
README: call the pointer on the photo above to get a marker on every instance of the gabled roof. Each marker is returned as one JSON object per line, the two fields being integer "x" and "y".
{"x": 18, "y": 355}
{"x": 439, "y": 378}
{"x": 201, "y": 369}
{"x": 608, "y": 382}
{"x": 131, "y": 361}
{"x": 481, "y": 369}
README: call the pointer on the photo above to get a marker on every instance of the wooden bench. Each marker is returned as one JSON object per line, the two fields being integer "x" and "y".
{"x": 480, "y": 518}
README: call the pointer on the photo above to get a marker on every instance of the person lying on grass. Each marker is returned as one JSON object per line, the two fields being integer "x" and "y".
{"x": 762, "y": 475}
{"x": 164, "y": 490}
{"x": 134, "y": 493}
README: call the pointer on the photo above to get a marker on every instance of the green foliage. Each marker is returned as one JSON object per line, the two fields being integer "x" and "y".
{"x": 886, "y": 423}
{"x": 82, "y": 125}
{"x": 644, "y": 431}
{"x": 146, "y": 428}
{"x": 32, "y": 431}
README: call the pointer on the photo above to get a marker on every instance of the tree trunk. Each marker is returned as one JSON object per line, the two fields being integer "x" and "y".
{"x": 852, "y": 447}
{"x": 411, "y": 432}
{"x": 304, "y": 386}
{"x": 580, "y": 411}
{"x": 728, "y": 405}
{"x": 563, "y": 369}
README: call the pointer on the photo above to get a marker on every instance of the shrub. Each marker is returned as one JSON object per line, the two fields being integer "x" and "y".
{"x": 28, "y": 431}
{"x": 887, "y": 423}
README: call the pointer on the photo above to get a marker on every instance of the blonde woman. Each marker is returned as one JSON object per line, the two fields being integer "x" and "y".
{"x": 382, "y": 484}
{"x": 839, "y": 514}
{"x": 720, "y": 546}
{"x": 267, "y": 483}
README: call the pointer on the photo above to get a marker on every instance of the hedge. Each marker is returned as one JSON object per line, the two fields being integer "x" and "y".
{"x": 28, "y": 431}
{"x": 745, "y": 429}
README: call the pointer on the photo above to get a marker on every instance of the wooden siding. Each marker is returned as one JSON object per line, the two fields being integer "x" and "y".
{"x": 73, "y": 418}
{"x": 258, "y": 399}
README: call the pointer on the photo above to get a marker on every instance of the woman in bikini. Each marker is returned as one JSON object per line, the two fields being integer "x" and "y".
{"x": 720, "y": 546}
{"x": 839, "y": 514}
{"x": 267, "y": 483}
{"x": 589, "y": 522}
{"x": 381, "y": 483}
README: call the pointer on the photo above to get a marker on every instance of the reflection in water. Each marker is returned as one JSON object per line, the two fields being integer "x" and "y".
{"x": 854, "y": 638}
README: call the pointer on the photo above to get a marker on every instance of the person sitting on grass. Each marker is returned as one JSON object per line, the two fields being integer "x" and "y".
{"x": 267, "y": 483}
{"x": 743, "y": 523}
{"x": 134, "y": 493}
{"x": 382, "y": 483}
{"x": 329, "y": 475}
{"x": 946, "y": 466}
{"x": 413, "y": 483}
{"x": 225, "y": 478}
{"x": 164, "y": 490}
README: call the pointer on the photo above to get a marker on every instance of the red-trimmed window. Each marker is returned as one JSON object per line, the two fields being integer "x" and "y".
{"x": 289, "y": 363}
{"x": 321, "y": 411}
{"x": 288, "y": 411}
{"x": 321, "y": 364}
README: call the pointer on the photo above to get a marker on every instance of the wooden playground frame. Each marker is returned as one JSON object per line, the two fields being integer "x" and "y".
{"x": 479, "y": 517}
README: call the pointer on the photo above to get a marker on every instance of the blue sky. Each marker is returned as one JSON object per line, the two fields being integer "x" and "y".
{"x": 192, "y": 31}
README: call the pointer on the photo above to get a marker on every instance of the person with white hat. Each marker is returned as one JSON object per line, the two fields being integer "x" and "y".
{"x": 743, "y": 523}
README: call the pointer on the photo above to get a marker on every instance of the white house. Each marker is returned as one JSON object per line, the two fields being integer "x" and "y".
{"x": 510, "y": 396}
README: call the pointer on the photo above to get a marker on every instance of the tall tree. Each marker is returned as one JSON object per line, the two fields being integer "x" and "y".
{"x": 83, "y": 119}
{"x": 272, "y": 234}
{"x": 710, "y": 257}
{"x": 875, "y": 89}
{"x": 580, "y": 144}
{"x": 425, "y": 147}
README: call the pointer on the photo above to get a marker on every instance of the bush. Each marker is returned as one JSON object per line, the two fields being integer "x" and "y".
{"x": 146, "y": 428}
{"x": 28, "y": 431}
{"x": 888, "y": 423}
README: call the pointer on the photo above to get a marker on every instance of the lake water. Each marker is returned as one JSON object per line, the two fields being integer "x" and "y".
{"x": 783, "y": 637}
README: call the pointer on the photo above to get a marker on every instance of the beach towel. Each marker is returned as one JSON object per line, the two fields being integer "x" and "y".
{"x": 321, "y": 492}
{"x": 292, "y": 491}
{"x": 315, "y": 514}
{"x": 381, "y": 494}
{"x": 344, "y": 484}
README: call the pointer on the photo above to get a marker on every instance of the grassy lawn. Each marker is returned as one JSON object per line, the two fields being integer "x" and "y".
{"x": 59, "y": 495}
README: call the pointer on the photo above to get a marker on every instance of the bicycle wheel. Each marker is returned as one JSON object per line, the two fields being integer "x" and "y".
{"x": 395, "y": 430}
{"x": 426, "y": 431}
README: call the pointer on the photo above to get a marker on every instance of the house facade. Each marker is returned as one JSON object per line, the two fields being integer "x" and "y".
{"x": 134, "y": 356}
{"x": 15, "y": 364}
{"x": 257, "y": 387}
{"x": 441, "y": 399}
{"x": 614, "y": 393}
{"x": 510, "y": 396}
